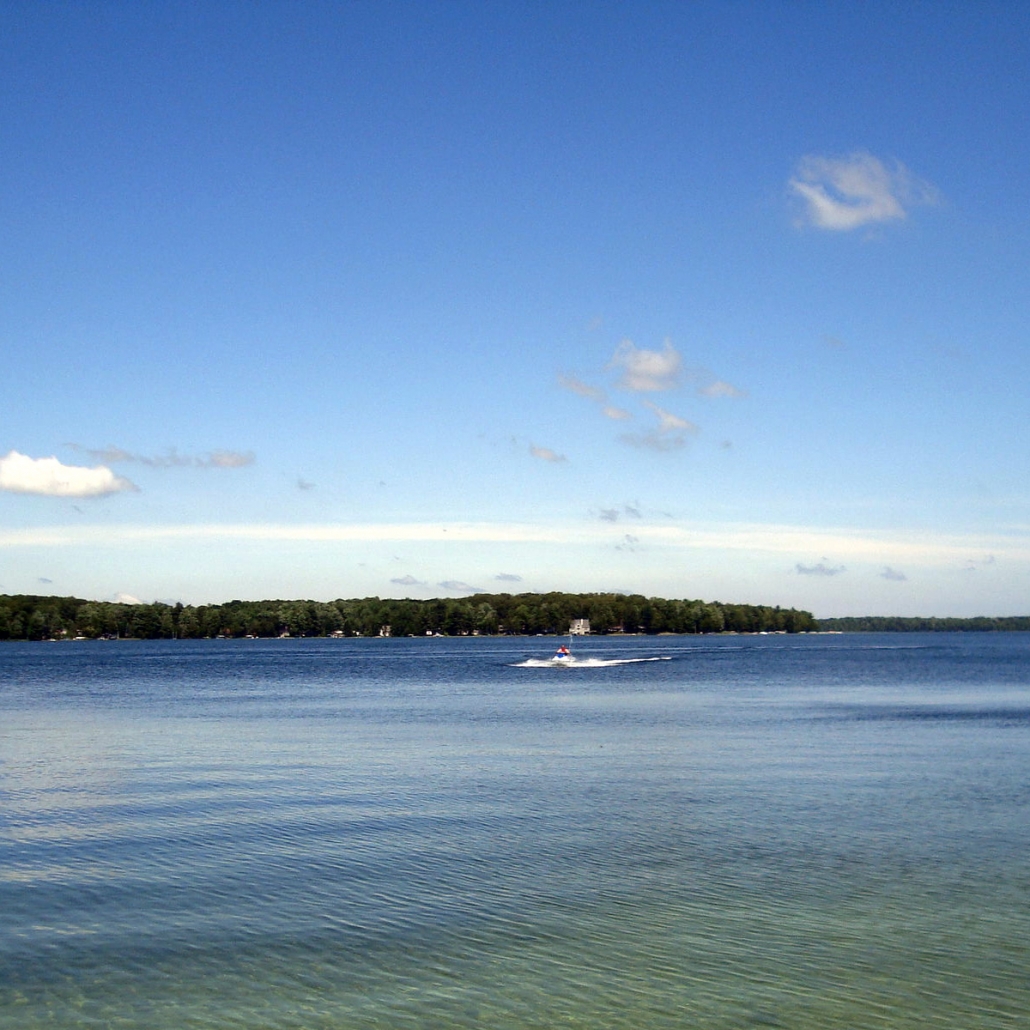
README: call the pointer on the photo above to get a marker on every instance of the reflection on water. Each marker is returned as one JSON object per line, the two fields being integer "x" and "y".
{"x": 761, "y": 832}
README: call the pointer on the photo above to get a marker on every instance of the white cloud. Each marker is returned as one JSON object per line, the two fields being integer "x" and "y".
{"x": 48, "y": 477}
{"x": 126, "y": 599}
{"x": 846, "y": 193}
{"x": 616, "y": 414}
{"x": 546, "y": 454}
{"x": 646, "y": 371}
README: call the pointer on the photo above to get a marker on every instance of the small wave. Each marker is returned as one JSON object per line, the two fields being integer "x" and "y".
{"x": 584, "y": 663}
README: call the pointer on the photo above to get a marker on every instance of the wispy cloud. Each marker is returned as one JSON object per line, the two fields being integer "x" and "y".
{"x": 614, "y": 514}
{"x": 646, "y": 371}
{"x": 893, "y": 574}
{"x": 221, "y": 459}
{"x": 595, "y": 394}
{"x": 654, "y": 441}
{"x": 859, "y": 546}
{"x": 459, "y": 587}
{"x": 581, "y": 389}
{"x": 708, "y": 384}
{"x": 822, "y": 569}
{"x": 225, "y": 460}
{"x": 303, "y": 484}
{"x": 48, "y": 477}
{"x": 546, "y": 454}
{"x": 670, "y": 423}
{"x": 669, "y": 435}
{"x": 720, "y": 388}
{"x": 508, "y": 577}
{"x": 973, "y": 564}
{"x": 408, "y": 581}
{"x": 845, "y": 193}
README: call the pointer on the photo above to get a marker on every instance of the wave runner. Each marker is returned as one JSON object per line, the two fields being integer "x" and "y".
{"x": 563, "y": 658}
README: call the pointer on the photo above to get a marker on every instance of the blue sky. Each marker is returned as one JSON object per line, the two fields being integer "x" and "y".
{"x": 720, "y": 300}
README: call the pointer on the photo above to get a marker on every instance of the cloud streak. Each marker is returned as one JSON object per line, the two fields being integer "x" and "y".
{"x": 654, "y": 441}
{"x": 845, "y": 193}
{"x": 217, "y": 459}
{"x": 546, "y": 454}
{"x": 898, "y": 547}
{"x": 48, "y": 477}
{"x": 581, "y": 389}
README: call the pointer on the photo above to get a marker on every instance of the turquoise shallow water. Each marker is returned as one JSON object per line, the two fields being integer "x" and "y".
{"x": 761, "y": 832}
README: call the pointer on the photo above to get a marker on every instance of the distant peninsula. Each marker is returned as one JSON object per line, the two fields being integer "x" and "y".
{"x": 906, "y": 624}
{"x": 31, "y": 617}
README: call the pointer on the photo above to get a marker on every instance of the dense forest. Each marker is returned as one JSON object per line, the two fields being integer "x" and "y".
{"x": 904, "y": 624}
{"x": 28, "y": 617}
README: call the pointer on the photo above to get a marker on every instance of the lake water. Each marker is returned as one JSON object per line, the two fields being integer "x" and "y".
{"x": 797, "y": 832}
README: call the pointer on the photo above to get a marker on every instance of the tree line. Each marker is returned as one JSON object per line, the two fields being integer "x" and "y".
{"x": 916, "y": 624}
{"x": 31, "y": 617}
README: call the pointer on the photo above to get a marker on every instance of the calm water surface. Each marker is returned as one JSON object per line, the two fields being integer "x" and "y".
{"x": 813, "y": 832}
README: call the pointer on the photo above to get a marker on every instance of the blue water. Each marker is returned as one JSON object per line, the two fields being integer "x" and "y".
{"x": 798, "y": 832}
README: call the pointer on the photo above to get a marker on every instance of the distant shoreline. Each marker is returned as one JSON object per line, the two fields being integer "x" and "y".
{"x": 33, "y": 617}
